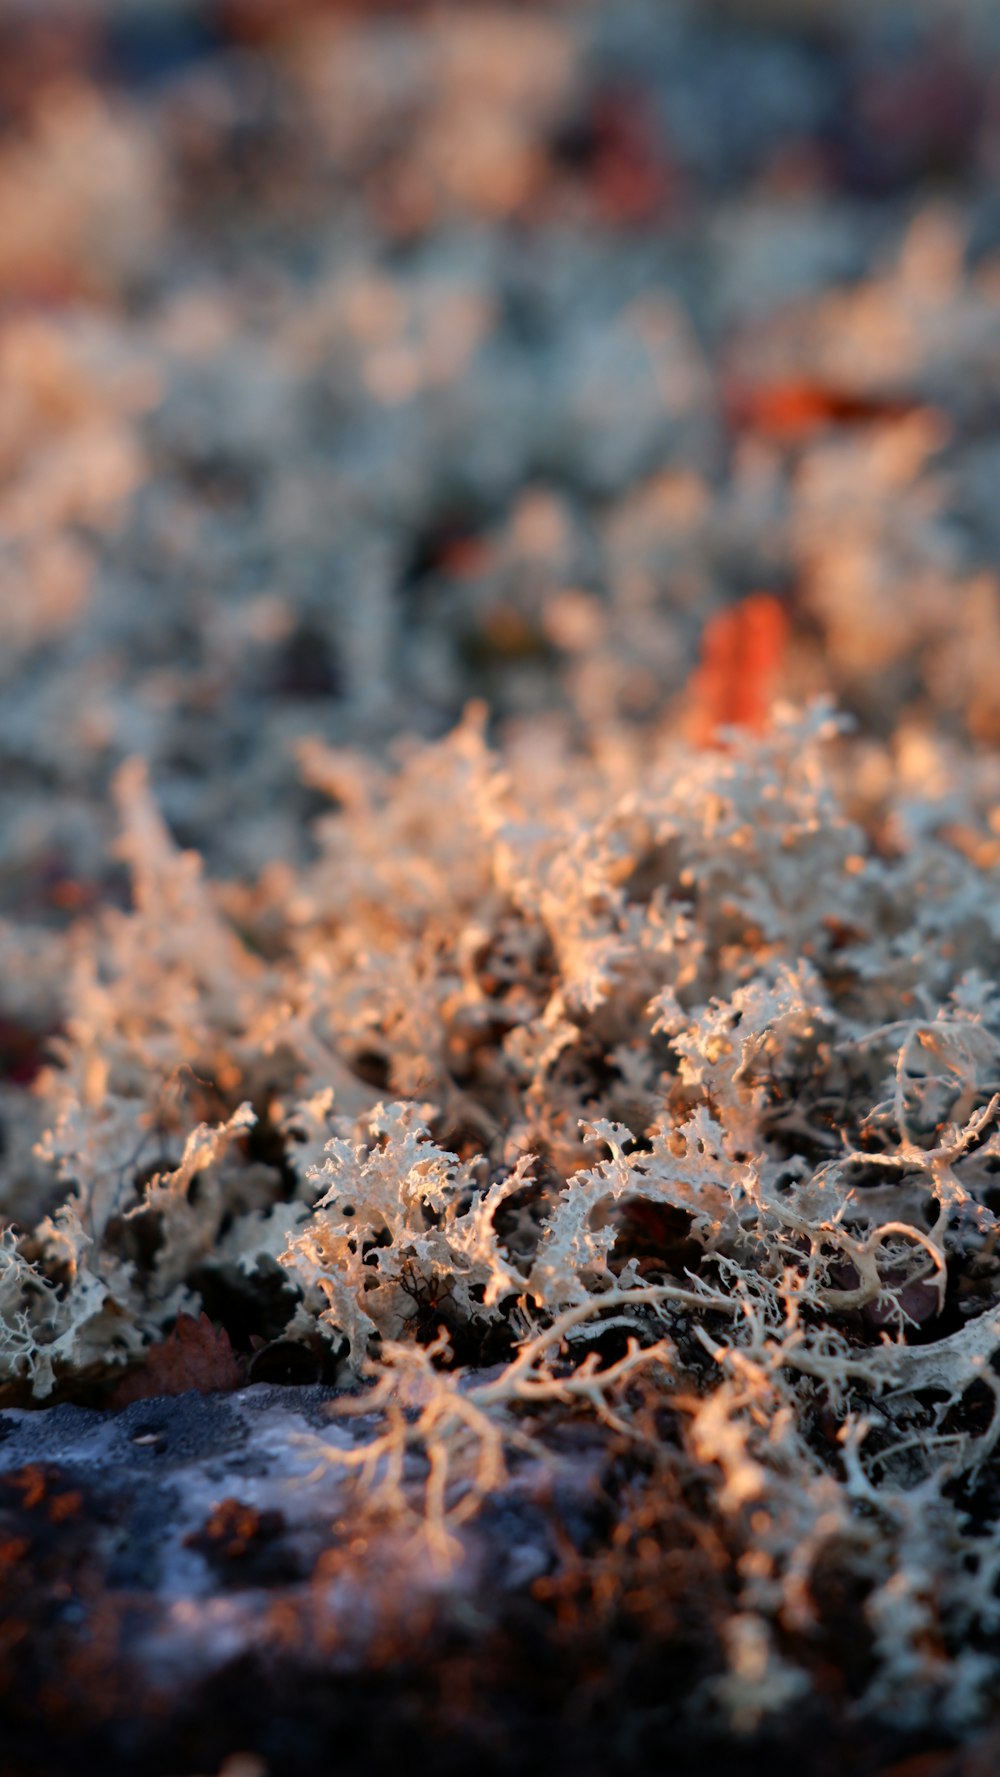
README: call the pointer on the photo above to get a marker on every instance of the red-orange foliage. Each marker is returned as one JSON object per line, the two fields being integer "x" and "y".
{"x": 789, "y": 410}
{"x": 742, "y": 650}
{"x": 194, "y": 1355}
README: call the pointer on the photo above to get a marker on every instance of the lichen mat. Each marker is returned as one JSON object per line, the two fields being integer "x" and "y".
{"x": 691, "y": 1066}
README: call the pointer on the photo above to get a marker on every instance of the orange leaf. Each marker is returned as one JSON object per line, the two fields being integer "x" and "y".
{"x": 791, "y": 409}
{"x": 194, "y": 1355}
{"x": 742, "y": 651}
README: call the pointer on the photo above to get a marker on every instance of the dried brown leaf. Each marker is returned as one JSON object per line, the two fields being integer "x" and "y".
{"x": 194, "y": 1355}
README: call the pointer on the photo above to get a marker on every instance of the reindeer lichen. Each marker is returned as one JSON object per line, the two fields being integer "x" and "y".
{"x": 687, "y": 1074}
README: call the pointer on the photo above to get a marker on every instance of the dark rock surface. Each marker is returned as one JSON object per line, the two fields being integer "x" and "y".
{"x": 183, "y": 1591}
{"x": 180, "y": 1581}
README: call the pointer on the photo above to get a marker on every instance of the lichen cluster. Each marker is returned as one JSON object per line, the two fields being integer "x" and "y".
{"x": 409, "y": 952}
{"x": 686, "y": 1071}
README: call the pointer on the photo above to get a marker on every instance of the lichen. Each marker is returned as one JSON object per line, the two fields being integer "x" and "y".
{"x": 700, "y": 988}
